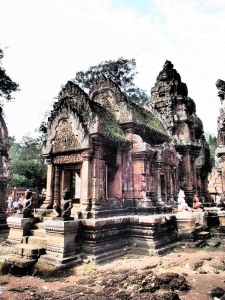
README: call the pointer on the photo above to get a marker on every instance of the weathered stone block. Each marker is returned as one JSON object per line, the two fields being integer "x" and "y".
{"x": 61, "y": 248}
{"x": 19, "y": 227}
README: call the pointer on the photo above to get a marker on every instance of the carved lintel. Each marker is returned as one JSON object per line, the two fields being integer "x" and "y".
{"x": 68, "y": 159}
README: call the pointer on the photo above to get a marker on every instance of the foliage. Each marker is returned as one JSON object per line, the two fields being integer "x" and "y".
{"x": 7, "y": 86}
{"x": 29, "y": 170}
{"x": 122, "y": 72}
{"x": 147, "y": 118}
{"x": 108, "y": 121}
{"x": 212, "y": 141}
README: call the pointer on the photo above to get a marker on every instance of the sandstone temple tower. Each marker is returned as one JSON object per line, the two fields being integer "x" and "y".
{"x": 170, "y": 97}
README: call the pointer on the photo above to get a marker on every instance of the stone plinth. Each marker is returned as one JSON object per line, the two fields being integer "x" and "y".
{"x": 19, "y": 228}
{"x": 201, "y": 218}
{"x": 153, "y": 234}
{"x": 106, "y": 238}
{"x": 221, "y": 216}
{"x": 186, "y": 226}
{"x": 61, "y": 249}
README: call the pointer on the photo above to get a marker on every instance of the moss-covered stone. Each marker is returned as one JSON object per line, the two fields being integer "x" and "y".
{"x": 147, "y": 118}
{"x": 109, "y": 122}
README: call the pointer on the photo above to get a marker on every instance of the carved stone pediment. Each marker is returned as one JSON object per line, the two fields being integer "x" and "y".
{"x": 64, "y": 140}
{"x": 106, "y": 92}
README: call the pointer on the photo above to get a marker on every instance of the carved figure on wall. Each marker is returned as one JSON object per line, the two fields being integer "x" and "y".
{"x": 64, "y": 139}
{"x": 28, "y": 204}
{"x": 66, "y": 205}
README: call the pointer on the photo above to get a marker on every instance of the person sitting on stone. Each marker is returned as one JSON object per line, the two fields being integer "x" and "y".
{"x": 28, "y": 204}
{"x": 182, "y": 205}
{"x": 66, "y": 205}
{"x": 197, "y": 205}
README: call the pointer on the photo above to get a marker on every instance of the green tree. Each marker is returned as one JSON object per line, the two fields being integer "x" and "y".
{"x": 29, "y": 169}
{"x": 7, "y": 86}
{"x": 212, "y": 141}
{"x": 121, "y": 71}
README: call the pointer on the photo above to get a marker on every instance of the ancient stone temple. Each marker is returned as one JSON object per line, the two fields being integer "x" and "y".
{"x": 170, "y": 97}
{"x": 114, "y": 170}
{"x": 110, "y": 153}
{"x": 5, "y": 172}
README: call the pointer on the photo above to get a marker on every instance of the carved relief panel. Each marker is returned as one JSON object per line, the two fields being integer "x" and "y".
{"x": 64, "y": 139}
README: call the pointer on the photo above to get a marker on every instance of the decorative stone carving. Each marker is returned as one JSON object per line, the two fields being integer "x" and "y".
{"x": 68, "y": 159}
{"x": 170, "y": 97}
{"x": 64, "y": 139}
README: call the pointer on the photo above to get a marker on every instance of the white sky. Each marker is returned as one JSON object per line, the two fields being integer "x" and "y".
{"x": 48, "y": 41}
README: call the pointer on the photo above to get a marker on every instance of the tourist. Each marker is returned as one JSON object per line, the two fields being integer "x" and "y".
{"x": 9, "y": 204}
{"x": 15, "y": 205}
{"x": 20, "y": 201}
{"x": 197, "y": 205}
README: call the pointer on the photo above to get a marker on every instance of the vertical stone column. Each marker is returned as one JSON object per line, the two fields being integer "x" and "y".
{"x": 3, "y": 195}
{"x": 199, "y": 181}
{"x": 98, "y": 172}
{"x": 186, "y": 172}
{"x": 223, "y": 171}
{"x": 86, "y": 179}
{"x": 159, "y": 197}
{"x": 48, "y": 200}
{"x": 56, "y": 195}
{"x": 128, "y": 184}
{"x": 168, "y": 185}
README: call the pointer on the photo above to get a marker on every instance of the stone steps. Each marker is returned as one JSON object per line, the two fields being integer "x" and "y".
{"x": 40, "y": 225}
{"x": 28, "y": 251}
{"x": 37, "y": 241}
{"x": 203, "y": 235}
{"x": 38, "y": 232}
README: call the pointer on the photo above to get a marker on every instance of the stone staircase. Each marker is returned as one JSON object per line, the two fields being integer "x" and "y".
{"x": 34, "y": 245}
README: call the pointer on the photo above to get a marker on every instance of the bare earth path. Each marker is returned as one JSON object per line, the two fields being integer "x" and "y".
{"x": 189, "y": 273}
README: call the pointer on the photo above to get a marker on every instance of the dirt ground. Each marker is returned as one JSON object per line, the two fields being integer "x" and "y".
{"x": 184, "y": 273}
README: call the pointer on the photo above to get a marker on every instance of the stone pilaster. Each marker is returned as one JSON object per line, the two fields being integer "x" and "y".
{"x": 98, "y": 173}
{"x": 48, "y": 202}
{"x": 86, "y": 180}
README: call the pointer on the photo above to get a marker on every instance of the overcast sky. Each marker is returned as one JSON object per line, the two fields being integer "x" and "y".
{"x": 47, "y": 41}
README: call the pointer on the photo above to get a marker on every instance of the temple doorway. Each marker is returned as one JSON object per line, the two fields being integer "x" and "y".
{"x": 71, "y": 179}
{"x": 163, "y": 187}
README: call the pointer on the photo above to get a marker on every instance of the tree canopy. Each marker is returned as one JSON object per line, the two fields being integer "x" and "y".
{"x": 29, "y": 170}
{"x": 212, "y": 148}
{"x": 212, "y": 141}
{"x": 7, "y": 86}
{"x": 121, "y": 71}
